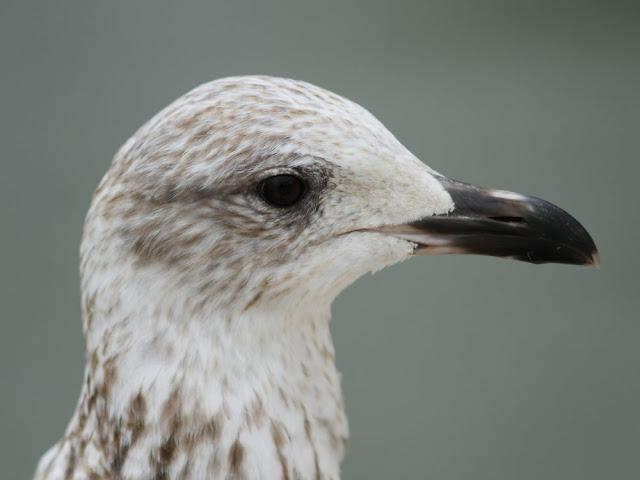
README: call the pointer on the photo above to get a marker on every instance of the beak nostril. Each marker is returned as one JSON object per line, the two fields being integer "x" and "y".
{"x": 509, "y": 219}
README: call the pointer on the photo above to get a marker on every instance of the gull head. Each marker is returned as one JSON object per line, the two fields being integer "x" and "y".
{"x": 254, "y": 191}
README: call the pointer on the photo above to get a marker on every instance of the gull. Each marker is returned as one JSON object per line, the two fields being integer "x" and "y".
{"x": 211, "y": 253}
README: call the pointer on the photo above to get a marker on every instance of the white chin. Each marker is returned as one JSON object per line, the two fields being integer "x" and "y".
{"x": 342, "y": 261}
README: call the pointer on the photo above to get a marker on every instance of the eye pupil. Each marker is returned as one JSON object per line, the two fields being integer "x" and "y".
{"x": 282, "y": 190}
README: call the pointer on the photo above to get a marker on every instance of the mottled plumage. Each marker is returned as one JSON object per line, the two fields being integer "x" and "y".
{"x": 206, "y": 309}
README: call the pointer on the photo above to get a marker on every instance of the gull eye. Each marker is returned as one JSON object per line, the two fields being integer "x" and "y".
{"x": 281, "y": 190}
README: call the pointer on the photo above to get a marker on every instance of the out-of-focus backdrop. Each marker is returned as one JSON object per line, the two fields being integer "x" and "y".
{"x": 453, "y": 368}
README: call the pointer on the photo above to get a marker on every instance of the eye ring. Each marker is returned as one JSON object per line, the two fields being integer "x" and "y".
{"x": 282, "y": 191}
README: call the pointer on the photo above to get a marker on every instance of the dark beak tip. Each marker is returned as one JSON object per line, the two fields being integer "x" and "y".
{"x": 591, "y": 254}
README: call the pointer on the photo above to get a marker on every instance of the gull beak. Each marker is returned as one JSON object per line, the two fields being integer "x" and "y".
{"x": 500, "y": 224}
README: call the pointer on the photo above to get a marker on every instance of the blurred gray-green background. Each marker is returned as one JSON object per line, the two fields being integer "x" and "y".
{"x": 453, "y": 368}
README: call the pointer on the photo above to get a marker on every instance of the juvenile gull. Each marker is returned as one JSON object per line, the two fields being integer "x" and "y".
{"x": 211, "y": 254}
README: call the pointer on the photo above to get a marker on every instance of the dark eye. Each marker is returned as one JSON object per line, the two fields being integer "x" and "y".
{"x": 282, "y": 190}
